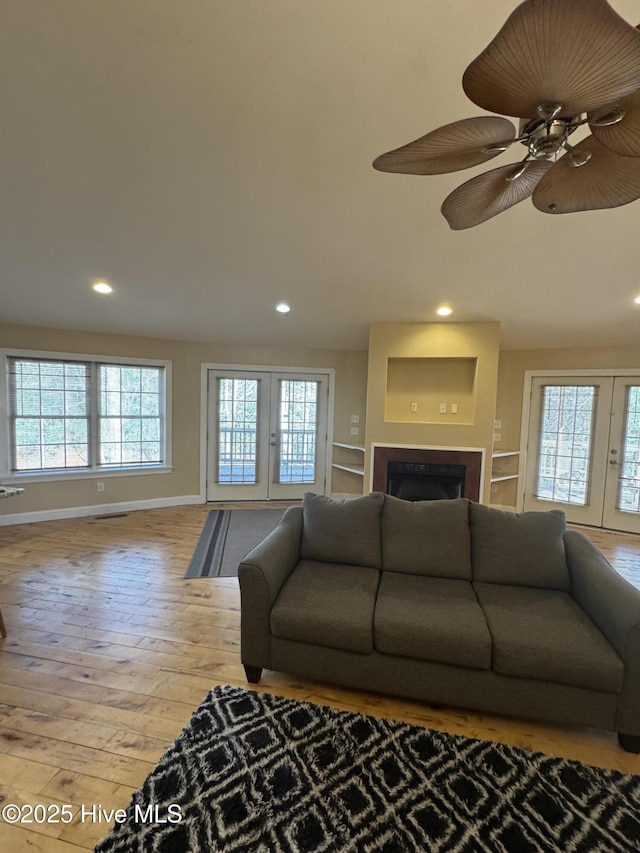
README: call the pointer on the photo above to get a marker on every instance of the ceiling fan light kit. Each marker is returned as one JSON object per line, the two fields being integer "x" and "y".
{"x": 556, "y": 65}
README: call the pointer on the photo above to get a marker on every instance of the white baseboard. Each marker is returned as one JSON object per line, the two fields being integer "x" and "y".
{"x": 96, "y": 509}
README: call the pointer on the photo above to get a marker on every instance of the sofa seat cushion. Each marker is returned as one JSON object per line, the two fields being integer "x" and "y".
{"x": 434, "y": 619}
{"x": 426, "y": 537}
{"x": 544, "y": 634}
{"x": 521, "y": 549}
{"x": 342, "y": 531}
{"x": 327, "y": 604}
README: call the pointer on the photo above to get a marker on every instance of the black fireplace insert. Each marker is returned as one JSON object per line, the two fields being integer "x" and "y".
{"x": 425, "y": 481}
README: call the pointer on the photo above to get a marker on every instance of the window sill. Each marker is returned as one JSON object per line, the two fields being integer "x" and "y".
{"x": 84, "y": 474}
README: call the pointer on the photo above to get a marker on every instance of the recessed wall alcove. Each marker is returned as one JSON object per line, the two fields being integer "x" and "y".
{"x": 416, "y": 388}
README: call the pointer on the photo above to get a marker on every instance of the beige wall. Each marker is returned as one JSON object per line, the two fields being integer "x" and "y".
{"x": 350, "y": 387}
{"x": 469, "y": 428}
{"x": 361, "y": 380}
{"x": 511, "y": 370}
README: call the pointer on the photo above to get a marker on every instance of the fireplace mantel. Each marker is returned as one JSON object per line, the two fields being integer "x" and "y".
{"x": 471, "y": 457}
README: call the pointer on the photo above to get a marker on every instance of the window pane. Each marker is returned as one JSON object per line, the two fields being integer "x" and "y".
{"x": 150, "y": 430}
{"x": 567, "y": 417}
{"x": 131, "y": 404}
{"x": 111, "y": 453}
{"x": 110, "y": 403}
{"x": 150, "y": 451}
{"x": 130, "y": 410}
{"x": 46, "y": 399}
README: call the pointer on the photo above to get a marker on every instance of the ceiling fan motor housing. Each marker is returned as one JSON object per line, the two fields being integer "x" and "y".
{"x": 545, "y": 139}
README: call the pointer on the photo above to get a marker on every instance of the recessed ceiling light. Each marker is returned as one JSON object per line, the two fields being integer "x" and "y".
{"x": 637, "y": 299}
{"x": 444, "y": 311}
{"x": 102, "y": 287}
{"x": 283, "y": 307}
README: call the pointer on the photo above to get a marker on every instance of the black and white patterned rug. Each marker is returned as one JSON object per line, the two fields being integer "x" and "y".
{"x": 255, "y": 772}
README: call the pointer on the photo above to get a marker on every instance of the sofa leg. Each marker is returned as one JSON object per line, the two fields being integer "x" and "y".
{"x": 253, "y": 673}
{"x": 630, "y": 743}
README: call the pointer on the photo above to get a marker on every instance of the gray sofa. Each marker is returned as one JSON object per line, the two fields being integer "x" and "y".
{"x": 450, "y": 602}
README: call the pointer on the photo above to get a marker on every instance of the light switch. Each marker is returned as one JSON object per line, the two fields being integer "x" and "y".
{"x": 454, "y": 408}
{"x": 355, "y": 430}
{"x": 355, "y": 419}
{"x": 497, "y": 424}
{"x": 414, "y": 407}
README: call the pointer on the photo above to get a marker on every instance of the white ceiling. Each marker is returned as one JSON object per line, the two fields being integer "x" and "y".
{"x": 212, "y": 157}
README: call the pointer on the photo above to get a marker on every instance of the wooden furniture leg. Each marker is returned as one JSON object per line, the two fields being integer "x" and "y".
{"x": 3, "y": 629}
{"x": 253, "y": 673}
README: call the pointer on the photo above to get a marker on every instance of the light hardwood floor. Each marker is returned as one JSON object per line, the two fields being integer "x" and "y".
{"x": 109, "y": 650}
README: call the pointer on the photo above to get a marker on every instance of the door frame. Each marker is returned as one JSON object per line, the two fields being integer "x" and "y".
{"x": 205, "y": 367}
{"x": 529, "y": 376}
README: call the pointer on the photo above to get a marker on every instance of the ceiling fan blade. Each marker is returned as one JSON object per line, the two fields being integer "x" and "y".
{"x": 623, "y": 137}
{"x": 605, "y": 180}
{"x": 455, "y": 146}
{"x": 579, "y": 54}
{"x": 489, "y": 194}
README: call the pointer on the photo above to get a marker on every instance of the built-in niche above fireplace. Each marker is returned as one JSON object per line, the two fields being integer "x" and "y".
{"x": 417, "y": 473}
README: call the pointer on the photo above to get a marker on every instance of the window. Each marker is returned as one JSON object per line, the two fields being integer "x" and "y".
{"x": 70, "y": 415}
{"x": 129, "y": 422}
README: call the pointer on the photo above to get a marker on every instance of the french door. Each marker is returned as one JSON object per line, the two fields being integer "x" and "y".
{"x": 583, "y": 452}
{"x": 267, "y": 434}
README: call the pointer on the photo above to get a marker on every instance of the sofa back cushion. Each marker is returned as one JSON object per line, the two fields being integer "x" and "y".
{"x": 342, "y": 531}
{"x": 426, "y": 538}
{"x": 519, "y": 549}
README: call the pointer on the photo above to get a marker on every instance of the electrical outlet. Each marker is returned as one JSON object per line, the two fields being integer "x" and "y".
{"x": 101, "y": 487}
{"x": 443, "y": 408}
{"x": 494, "y": 488}
{"x": 497, "y": 424}
{"x": 355, "y": 430}
{"x": 355, "y": 419}
{"x": 497, "y": 436}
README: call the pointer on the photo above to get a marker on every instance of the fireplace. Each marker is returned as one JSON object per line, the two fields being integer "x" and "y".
{"x": 425, "y": 481}
{"x": 419, "y": 474}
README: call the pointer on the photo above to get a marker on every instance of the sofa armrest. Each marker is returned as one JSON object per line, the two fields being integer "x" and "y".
{"x": 614, "y": 605}
{"x": 262, "y": 574}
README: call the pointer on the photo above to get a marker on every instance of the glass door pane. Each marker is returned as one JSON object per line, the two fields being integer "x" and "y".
{"x": 238, "y": 436}
{"x": 629, "y": 478}
{"x": 237, "y": 430}
{"x": 566, "y": 436}
{"x": 622, "y": 493}
{"x": 566, "y": 455}
{"x": 299, "y": 434}
{"x": 298, "y": 428}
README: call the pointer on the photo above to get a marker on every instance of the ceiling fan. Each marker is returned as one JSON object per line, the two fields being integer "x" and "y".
{"x": 557, "y": 65}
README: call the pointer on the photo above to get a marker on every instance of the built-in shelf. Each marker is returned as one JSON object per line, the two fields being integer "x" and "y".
{"x": 350, "y": 467}
{"x": 504, "y": 454}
